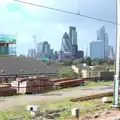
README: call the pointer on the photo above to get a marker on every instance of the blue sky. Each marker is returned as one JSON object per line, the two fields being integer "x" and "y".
{"x": 47, "y": 25}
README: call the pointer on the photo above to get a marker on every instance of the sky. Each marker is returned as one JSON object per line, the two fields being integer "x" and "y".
{"x": 47, "y": 25}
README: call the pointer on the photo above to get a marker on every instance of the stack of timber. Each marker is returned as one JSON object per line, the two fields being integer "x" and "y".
{"x": 32, "y": 84}
{"x": 64, "y": 83}
{"x": 6, "y": 90}
{"x": 63, "y": 79}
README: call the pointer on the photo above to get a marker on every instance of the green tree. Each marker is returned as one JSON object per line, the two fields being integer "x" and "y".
{"x": 88, "y": 61}
{"x": 68, "y": 62}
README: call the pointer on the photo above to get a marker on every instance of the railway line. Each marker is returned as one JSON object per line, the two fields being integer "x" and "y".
{"x": 95, "y": 96}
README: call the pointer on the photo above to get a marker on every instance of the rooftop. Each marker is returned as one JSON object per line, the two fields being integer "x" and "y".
{"x": 12, "y": 65}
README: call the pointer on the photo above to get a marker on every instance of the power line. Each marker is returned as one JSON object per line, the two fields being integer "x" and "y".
{"x": 68, "y": 12}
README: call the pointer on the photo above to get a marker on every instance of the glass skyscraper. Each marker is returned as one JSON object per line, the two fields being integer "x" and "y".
{"x": 66, "y": 43}
{"x": 32, "y": 53}
{"x": 97, "y": 49}
{"x": 73, "y": 35}
{"x": 43, "y": 47}
{"x": 102, "y": 35}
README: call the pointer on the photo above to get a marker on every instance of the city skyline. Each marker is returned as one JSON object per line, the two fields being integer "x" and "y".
{"x": 18, "y": 18}
{"x": 101, "y": 47}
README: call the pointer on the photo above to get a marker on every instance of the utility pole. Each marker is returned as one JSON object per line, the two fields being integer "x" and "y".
{"x": 117, "y": 69}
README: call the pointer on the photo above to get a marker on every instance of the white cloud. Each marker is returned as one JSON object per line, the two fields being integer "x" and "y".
{"x": 50, "y": 25}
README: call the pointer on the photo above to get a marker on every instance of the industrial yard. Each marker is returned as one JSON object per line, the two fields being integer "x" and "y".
{"x": 12, "y": 108}
{"x": 39, "y": 84}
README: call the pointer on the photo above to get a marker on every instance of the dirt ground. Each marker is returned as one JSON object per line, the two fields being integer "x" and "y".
{"x": 15, "y": 101}
{"x": 111, "y": 114}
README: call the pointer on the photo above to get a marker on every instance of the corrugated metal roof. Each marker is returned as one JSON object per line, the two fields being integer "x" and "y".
{"x": 12, "y": 65}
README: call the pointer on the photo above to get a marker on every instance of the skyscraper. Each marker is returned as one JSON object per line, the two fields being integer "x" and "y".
{"x": 44, "y": 51}
{"x": 31, "y": 53}
{"x": 61, "y": 55}
{"x": 73, "y": 35}
{"x": 111, "y": 52}
{"x": 97, "y": 49}
{"x": 102, "y": 35}
{"x": 46, "y": 47}
{"x": 43, "y": 47}
{"x": 66, "y": 43}
{"x": 40, "y": 47}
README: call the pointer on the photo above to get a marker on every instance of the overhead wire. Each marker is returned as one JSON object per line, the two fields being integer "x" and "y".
{"x": 68, "y": 12}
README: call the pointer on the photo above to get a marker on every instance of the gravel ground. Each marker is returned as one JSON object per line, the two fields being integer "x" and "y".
{"x": 104, "y": 115}
{"x": 15, "y": 101}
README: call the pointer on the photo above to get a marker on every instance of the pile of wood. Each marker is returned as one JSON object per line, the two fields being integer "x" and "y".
{"x": 32, "y": 84}
{"x": 67, "y": 82}
{"x": 6, "y": 90}
{"x": 63, "y": 79}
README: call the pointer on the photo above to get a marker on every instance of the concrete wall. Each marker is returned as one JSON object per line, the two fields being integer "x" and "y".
{"x": 107, "y": 75}
{"x": 98, "y": 75}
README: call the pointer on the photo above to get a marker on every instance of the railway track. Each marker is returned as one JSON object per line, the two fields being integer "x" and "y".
{"x": 91, "y": 97}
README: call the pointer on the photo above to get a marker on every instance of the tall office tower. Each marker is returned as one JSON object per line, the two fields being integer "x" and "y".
{"x": 55, "y": 55}
{"x": 43, "y": 47}
{"x": 97, "y": 49}
{"x": 51, "y": 53}
{"x": 73, "y": 39}
{"x": 60, "y": 55}
{"x": 80, "y": 54}
{"x": 40, "y": 47}
{"x": 31, "y": 53}
{"x": 73, "y": 35}
{"x": 111, "y": 52}
{"x": 74, "y": 51}
{"x": 46, "y": 47}
{"x": 66, "y": 43}
{"x": 102, "y": 35}
{"x": 43, "y": 50}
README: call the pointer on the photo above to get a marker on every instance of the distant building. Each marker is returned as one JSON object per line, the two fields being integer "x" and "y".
{"x": 43, "y": 47}
{"x": 31, "y": 53}
{"x": 44, "y": 51}
{"x": 69, "y": 44}
{"x": 5, "y": 41}
{"x": 56, "y": 54}
{"x": 73, "y": 35}
{"x": 97, "y": 49}
{"x": 12, "y": 49}
{"x": 102, "y": 35}
{"x": 66, "y": 43}
{"x": 51, "y": 53}
{"x": 67, "y": 56}
{"x": 111, "y": 52}
{"x": 60, "y": 55}
{"x": 40, "y": 47}
{"x": 74, "y": 51}
{"x": 80, "y": 54}
{"x": 46, "y": 47}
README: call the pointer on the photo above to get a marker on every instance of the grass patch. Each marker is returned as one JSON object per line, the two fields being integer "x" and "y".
{"x": 85, "y": 107}
{"x": 100, "y": 83}
{"x": 17, "y": 111}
